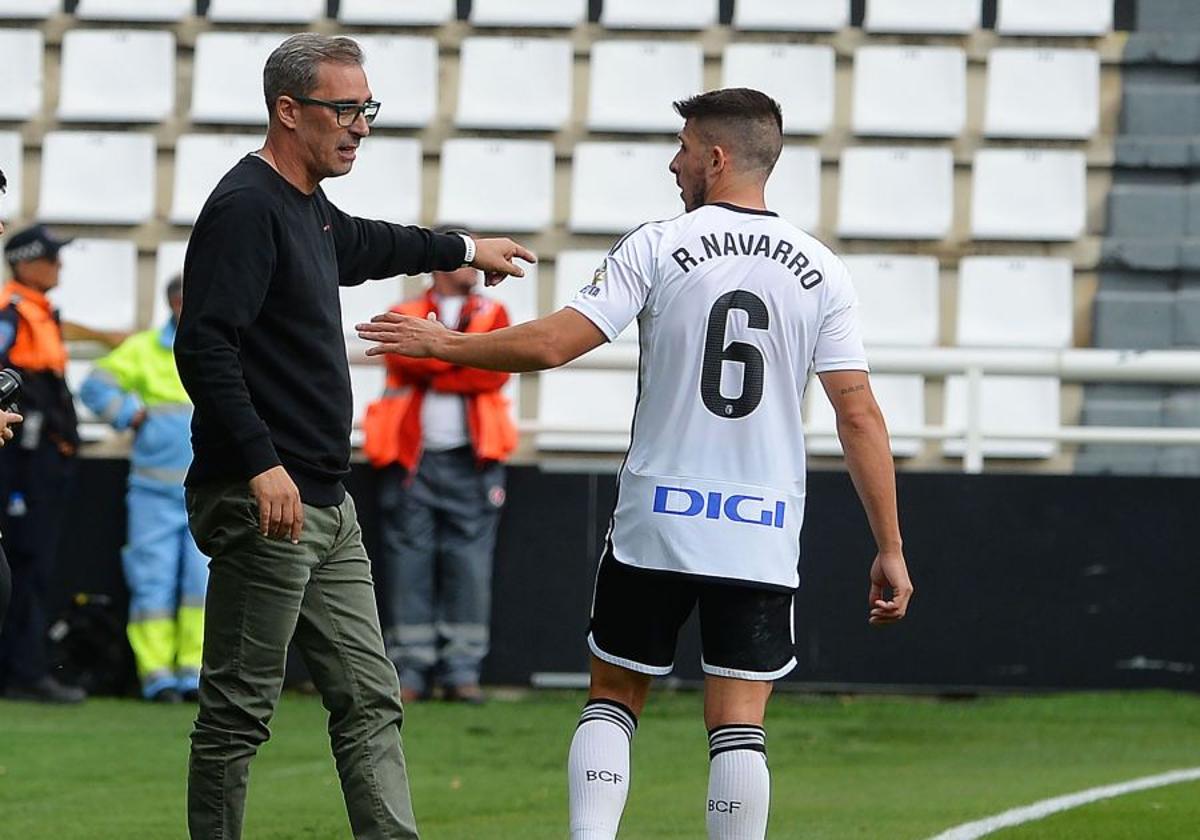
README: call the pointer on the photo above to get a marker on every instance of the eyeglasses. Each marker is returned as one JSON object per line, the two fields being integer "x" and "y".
{"x": 347, "y": 112}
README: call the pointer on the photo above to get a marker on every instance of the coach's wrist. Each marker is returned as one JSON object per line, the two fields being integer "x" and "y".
{"x": 469, "y": 255}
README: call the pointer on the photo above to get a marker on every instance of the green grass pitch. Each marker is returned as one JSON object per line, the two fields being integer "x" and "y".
{"x": 857, "y": 767}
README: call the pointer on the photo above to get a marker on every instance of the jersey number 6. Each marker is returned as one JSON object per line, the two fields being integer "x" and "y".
{"x": 717, "y": 352}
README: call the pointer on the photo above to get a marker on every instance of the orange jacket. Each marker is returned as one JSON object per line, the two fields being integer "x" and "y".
{"x": 38, "y": 344}
{"x": 393, "y": 423}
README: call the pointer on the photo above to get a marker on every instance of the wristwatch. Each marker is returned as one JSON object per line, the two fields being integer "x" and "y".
{"x": 469, "y": 256}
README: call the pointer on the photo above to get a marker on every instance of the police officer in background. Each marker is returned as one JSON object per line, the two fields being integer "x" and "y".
{"x": 36, "y": 468}
{"x": 8, "y": 419}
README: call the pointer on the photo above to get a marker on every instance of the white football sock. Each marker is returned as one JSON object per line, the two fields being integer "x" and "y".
{"x": 739, "y": 783}
{"x": 598, "y": 769}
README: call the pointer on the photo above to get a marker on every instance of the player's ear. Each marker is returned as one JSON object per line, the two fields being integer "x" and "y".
{"x": 287, "y": 111}
{"x": 718, "y": 160}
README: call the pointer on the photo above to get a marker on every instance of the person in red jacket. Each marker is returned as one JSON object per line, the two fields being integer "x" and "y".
{"x": 439, "y": 437}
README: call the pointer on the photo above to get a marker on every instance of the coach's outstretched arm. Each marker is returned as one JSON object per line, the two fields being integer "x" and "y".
{"x": 864, "y": 438}
{"x": 535, "y": 345}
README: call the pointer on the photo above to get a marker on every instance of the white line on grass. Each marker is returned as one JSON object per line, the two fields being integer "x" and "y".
{"x": 1046, "y": 807}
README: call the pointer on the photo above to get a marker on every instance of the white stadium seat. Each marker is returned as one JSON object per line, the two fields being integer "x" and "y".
{"x": 904, "y": 91}
{"x": 897, "y": 298}
{"x": 12, "y": 161}
{"x": 798, "y": 76}
{"x": 135, "y": 10}
{"x": 30, "y": 9}
{"x": 1027, "y": 404}
{"x": 794, "y": 188}
{"x": 633, "y": 84}
{"x": 597, "y": 403}
{"x": 1062, "y": 17}
{"x": 201, "y": 160}
{"x": 529, "y": 13}
{"x": 266, "y": 11}
{"x": 518, "y": 295}
{"x": 1015, "y": 302}
{"x": 227, "y": 74}
{"x": 391, "y": 13}
{"x": 935, "y": 16}
{"x": 21, "y": 52}
{"x": 647, "y": 193}
{"x": 575, "y": 269}
{"x": 96, "y": 177}
{"x": 515, "y": 83}
{"x": 366, "y": 385}
{"x": 363, "y": 302}
{"x": 1042, "y": 93}
{"x": 896, "y": 192}
{"x": 790, "y": 16}
{"x": 497, "y": 185}
{"x": 98, "y": 286}
{"x": 403, "y": 74}
{"x": 901, "y": 397}
{"x": 661, "y": 14}
{"x": 117, "y": 75}
{"x": 385, "y": 182}
{"x": 168, "y": 262}
{"x": 1029, "y": 194}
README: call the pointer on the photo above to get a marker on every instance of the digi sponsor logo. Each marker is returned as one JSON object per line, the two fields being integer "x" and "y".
{"x": 748, "y": 510}
{"x": 605, "y": 776}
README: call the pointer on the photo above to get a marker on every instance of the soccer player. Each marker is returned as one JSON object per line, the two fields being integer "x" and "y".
{"x": 735, "y": 307}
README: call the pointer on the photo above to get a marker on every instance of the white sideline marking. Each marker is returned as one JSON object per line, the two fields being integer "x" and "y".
{"x": 1046, "y": 807}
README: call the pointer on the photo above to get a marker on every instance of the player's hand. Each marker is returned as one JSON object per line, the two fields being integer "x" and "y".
{"x": 889, "y": 572}
{"x": 402, "y": 334}
{"x": 494, "y": 257}
{"x": 280, "y": 511}
{"x": 8, "y": 419}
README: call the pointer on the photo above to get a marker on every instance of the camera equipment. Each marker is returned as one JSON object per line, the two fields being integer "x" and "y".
{"x": 10, "y": 388}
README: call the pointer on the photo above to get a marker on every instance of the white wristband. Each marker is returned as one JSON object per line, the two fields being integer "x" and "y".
{"x": 469, "y": 256}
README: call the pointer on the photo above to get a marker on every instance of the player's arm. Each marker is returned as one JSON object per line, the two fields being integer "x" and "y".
{"x": 864, "y": 436}
{"x": 534, "y": 345}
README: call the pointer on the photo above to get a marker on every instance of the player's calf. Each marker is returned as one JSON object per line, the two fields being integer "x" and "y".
{"x": 739, "y": 783}
{"x": 598, "y": 769}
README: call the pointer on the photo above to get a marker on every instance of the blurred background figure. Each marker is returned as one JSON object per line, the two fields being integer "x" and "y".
{"x": 137, "y": 387}
{"x": 8, "y": 421}
{"x": 36, "y": 469}
{"x": 439, "y": 437}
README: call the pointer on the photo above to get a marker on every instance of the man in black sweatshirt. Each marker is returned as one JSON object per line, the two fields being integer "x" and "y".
{"x": 261, "y": 351}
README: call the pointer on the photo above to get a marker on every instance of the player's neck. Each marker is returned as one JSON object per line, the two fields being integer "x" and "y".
{"x": 749, "y": 196}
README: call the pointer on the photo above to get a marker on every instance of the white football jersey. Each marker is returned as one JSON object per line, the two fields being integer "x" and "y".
{"x": 734, "y": 309}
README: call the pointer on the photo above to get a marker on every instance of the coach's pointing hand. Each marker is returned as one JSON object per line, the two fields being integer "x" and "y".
{"x": 280, "y": 511}
{"x": 889, "y": 572}
{"x": 494, "y": 257}
{"x": 402, "y": 334}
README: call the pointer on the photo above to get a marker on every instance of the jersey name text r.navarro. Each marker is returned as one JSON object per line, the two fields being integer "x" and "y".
{"x": 716, "y": 245}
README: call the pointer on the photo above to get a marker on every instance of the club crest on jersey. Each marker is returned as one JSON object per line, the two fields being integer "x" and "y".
{"x": 593, "y": 288}
{"x": 749, "y": 510}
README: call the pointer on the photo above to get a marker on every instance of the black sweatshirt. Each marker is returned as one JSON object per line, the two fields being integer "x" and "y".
{"x": 260, "y": 346}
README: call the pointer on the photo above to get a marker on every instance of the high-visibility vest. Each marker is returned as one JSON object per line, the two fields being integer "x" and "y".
{"x": 38, "y": 345}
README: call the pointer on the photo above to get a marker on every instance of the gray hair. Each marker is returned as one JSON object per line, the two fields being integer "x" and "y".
{"x": 291, "y": 70}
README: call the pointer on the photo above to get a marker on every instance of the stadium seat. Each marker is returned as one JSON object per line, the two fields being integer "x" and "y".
{"x": 519, "y": 295}
{"x": 1015, "y": 302}
{"x": 1062, "y": 17}
{"x": 786, "y": 16}
{"x": 403, "y": 73}
{"x": 1181, "y": 410}
{"x": 363, "y": 302}
{"x": 168, "y": 262}
{"x": 901, "y": 397}
{"x": 648, "y": 190}
{"x": 575, "y": 269}
{"x": 799, "y": 77}
{"x": 896, "y": 192}
{"x": 1186, "y": 311}
{"x": 1007, "y": 404}
{"x": 1120, "y": 405}
{"x": 1147, "y": 211}
{"x": 1042, "y": 93}
{"x": 1134, "y": 311}
{"x": 391, "y": 13}
{"x": 366, "y": 385}
{"x": 794, "y": 188}
{"x": 385, "y": 182}
{"x": 935, "y": 16}
{"x": 227, "y": 76}
{"x": 661, "y": 14}
{"x": 497, "y": 185}
{"x": 1029, "y": 194}
{"x": 266, "y": 11}
{"x": 529, "y": 13}
{"x": 898, "y": 299}
{"x": 201, "y": 160}
{"x": 21, "y": 62}
{"x": 30, "y": 9}
{"x": 633, "y": 84}
{"x": 1164, "y": 109}
{"x": 902, "y": 91}
{"x": 98, "y": 286}
{"x": 597, "y": 403}
{"x": 96, "y": 177}
{"x": 515, "y": 83}
{"x": 117, "y": 75}
{"x": 12, "y": 161}
{"x": 135, "y": 10}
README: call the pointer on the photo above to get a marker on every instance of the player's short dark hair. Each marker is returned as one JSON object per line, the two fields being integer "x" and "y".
{"x": 747, "y": 121}
{"x": 291, "y": 70}
{"x": 174, "y": 287}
